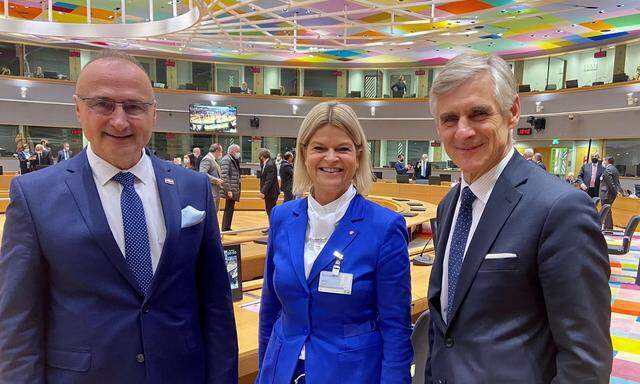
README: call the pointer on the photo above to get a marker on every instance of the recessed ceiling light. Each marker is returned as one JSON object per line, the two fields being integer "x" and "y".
{"x": 620, "y": 5}
{"x": 574, "y": 25}
{"x": 601, "y": 11}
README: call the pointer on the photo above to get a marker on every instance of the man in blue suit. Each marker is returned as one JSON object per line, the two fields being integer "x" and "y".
{"x": 519, "y": 288}
{"x": 130, "y": 285}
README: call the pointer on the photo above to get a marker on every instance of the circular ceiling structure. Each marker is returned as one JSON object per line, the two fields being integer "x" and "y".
{"x": 345, "y": 33}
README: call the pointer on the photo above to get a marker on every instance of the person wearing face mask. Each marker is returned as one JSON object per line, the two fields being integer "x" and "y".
{"x": 209, "y": 165}
{"x": 590, "y": 174}
{"x": 40, "y": 158}
{"x": 336, "y": 298}
{"x": 186, "y": 161}
{"x": 230, "y": 172}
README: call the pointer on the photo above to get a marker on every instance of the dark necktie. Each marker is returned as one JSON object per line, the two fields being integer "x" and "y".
{"x": 136, "y": 239}
{"x": 458, "y": 244}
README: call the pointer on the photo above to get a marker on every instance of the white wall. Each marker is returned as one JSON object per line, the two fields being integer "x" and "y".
{"x": 535, "y": 73}
{"x": 356, "y": 80}
{"x": 632, "y": 60}
{"x": 184, "y": 72}
{"x": 587, "y": 69}
{"x": 271, "y": 79}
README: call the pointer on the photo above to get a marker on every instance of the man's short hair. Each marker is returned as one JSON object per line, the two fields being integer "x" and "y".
{"x": 538, "y": 156}
{"x": 113, "y": 55}
{"x": 528, "y": 152}
{"x": 288, "y": 156}
{"x": 263, "y": 152}
{"x": 610, "y": 159}
{"x": 469, "y": 65}
{"x": 214, "y": 147}
{"x": 400, "y": 155}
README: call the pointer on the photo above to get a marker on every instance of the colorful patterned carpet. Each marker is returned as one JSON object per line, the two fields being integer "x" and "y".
{"x": 625, "y": 314}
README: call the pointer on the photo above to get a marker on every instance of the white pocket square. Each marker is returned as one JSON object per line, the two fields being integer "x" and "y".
{"x": 500, "y": 256}
{"x": 191, "y": 216}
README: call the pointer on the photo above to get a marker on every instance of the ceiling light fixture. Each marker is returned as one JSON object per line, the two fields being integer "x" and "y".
{"x": 373, "y": 111}
{"x": 23, "y": 92}
{"x": 294, "y": 109}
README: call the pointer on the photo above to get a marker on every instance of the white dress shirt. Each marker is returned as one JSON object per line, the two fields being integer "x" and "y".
{"x": 482, "y": 188}
{"x": 145, "y": 186}
{"x": 323, "y": 220}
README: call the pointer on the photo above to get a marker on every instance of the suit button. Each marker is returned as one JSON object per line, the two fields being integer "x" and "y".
{"x": 145, "y": 310}
{"x": 140, "y": 358}
{"x": 305, "y": 331}
{"x": 448, "y": 342}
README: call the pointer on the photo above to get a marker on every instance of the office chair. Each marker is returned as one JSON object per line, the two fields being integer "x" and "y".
{"x": 420, "y": 342}
{"x": 627, "y": 236}
{"x": 422, "y": 259}
{"x": 604, "y": 211}
{"x": 596, "y": 200}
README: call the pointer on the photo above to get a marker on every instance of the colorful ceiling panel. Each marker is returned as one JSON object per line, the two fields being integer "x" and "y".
{"x": 343, "y": 32}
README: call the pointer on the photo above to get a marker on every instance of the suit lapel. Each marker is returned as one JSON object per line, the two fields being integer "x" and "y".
{"x": 296, "y": 233}
{"x": 504, "y": 198}
{"x": 342, "y": 236}
{"x": 170, "y": 200}
{"x": 435, "y": 283}
{"x": 83, "y": 189}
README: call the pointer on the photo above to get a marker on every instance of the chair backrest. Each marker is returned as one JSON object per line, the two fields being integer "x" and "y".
{"x": 420, "y": 342}
{"x": 596, "y": 201}
{"x": 604, "y": 211}
{"x": 630, "y": 230}
{"x": 433, "y": 222}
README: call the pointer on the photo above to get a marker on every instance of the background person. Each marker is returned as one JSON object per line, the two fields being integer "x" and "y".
{"x": 422, "y": 170}
{"x": 360, "y": 333}
{"x": 610, "y": 188}
{"x": 230, "y": 172}
{"x": 399, "y": 88}
{"x": 590, "y": 175}
{"x": 209, "y": 165}
{"x": 269, "y": 189}
{"x": 65, "y": 153}
{"x": 286, "y": 176}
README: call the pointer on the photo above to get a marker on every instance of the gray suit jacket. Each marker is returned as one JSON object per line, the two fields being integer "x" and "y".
{"x": 541, "y": 315}
{"x": 610, "y": 184}
{"x": 209, "y": 166}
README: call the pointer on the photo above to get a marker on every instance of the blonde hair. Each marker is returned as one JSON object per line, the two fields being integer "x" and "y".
{"x": 340, "y": 116}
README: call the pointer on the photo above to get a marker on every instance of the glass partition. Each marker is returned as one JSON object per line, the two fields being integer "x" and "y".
{"x": 415, "y": 150}
{"x": 587, "y": 69}
{"x": 399, "y": 83}
{"x": 49, "y": 63}
{"x": 287, "y": 144}
{"x": 320, "y": 83}
{"x": 248, "y": 78}
{"x": 56, "y": 137}
{"x": 228, "y": 77}
{"x": 8, "y": 135}
{"x": 626, "y": 154}
{"x": 9, "y": 59}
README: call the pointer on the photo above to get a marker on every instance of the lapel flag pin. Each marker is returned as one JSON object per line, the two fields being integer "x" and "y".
{"x": 169, "y": 181}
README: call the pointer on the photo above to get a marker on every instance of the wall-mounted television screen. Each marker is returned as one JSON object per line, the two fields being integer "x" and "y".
{"x": 211, "y": 118}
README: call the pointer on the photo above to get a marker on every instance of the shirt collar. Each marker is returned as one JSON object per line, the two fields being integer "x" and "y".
{"x": 341, "y": 202}
{"x": 483, "y": 186}
{"x": 104, "y": 171}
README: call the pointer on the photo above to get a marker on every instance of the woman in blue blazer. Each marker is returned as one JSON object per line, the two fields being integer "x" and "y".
{"x": 336, "y": 299}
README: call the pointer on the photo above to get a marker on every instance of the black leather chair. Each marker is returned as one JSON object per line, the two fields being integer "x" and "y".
{"x": 596, "y": 201}
{"x": 604, "y": 211}
{"x": 420, "y": 342}
{"x": 627, "y": 236}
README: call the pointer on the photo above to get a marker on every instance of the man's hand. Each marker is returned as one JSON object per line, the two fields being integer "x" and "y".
{"x": 261, "y": 195}
{"x": 230, "y": 195}
{"x": 216, "y": 181}
{"x": 583, "y": 186}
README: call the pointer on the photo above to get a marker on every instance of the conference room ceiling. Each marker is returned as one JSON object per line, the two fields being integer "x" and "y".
{"x": 333, "y": 32}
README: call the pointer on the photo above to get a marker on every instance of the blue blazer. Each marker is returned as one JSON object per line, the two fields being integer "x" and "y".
{"x": 70, "y": 309}
{"x": 359, "y": 338}
{"x": 539, "y": 316}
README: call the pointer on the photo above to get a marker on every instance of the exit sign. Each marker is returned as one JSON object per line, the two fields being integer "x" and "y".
{"x": 524, "y": 131}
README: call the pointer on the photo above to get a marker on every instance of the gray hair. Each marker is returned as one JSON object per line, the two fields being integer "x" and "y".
{"x": 528, "y": 153}
{"x": 233, "y": 146}
{"x": 465, "y": 67}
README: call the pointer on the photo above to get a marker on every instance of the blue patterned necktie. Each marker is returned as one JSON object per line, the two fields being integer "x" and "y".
{"x": 136, "y": 239}
{"x": 458, "y": 245}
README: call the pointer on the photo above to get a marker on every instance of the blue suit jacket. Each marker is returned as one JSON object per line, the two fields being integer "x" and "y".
{"x": 540, "y": 317}
{"x": 70, "y": 309}
{"x": 359, "y": 338}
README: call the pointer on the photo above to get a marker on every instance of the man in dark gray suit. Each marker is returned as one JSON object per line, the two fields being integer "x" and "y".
{"x": 511, "y": 300}
{"x": 209, "y": 165}
{"x": 230, "y": 172}
{"x": 590, "y": 175}
{"x": 65, "y": 153}
{"x": 610, "y": 187}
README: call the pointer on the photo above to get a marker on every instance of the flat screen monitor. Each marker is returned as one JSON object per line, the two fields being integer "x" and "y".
{"x": 595, "y": 83}
{"x": 620, "y": 77}
{"x": 434, "y": 180}
{"x": 235, "y": 90}
{"x": 211, "y": 118}
{"x": 356, "y": 94}
{"x": 571, "y": 84}
{"x": 245, "y": 171}
{"x": 445, "y": 177}
{"x": 524, "y": 88}
{"x": 232, "y": 258}
{"x": 275, "y": 92}
{"x": 378, "y": 174}
{"x": 402, "y": 179}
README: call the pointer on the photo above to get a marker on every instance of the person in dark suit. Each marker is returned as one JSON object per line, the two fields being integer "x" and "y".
{"x": 537, "y": 159}
{"x": 195, "y": 157}
{"x": 589, "y": 177}
{"x": 399, "y": 88}
{"x": 269, "y": 189}
{"x": 511, "y": 300}
{"x": 130, "y": 285}
{"x": 65, "y": 153}
{"x": 401, "y": 168}
{"x": 610, "y": 187}
{"x": 336, "y": 298}
{"x": 422, "y": 170}
{"x": 286, "y": 176}
{"x": 23, "y": 159}
{"x": 40, "y": 158}
{"x": 231, "y": 186}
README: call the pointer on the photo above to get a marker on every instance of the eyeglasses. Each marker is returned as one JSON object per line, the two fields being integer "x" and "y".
{"x": 107, "y": 107}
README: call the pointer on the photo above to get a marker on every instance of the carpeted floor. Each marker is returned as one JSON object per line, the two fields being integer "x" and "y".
{"x": 625, "y": 314}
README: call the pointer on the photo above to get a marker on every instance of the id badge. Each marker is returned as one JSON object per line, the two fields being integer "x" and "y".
{"x": 331, "y": 283}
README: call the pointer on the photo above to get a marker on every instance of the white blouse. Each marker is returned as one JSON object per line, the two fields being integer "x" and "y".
{"x": 323, "y": 220}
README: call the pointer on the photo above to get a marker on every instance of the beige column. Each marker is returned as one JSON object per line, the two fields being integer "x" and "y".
{"x": 74, "y": 65}
{"x": 341, "y": 79}
{"x": 258, "y": 80}
{"x": 423, "y": 82}
{"x": 620, "y": 59}
{"x": 518, "y": 71}
{"x": 172, "y": 74}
